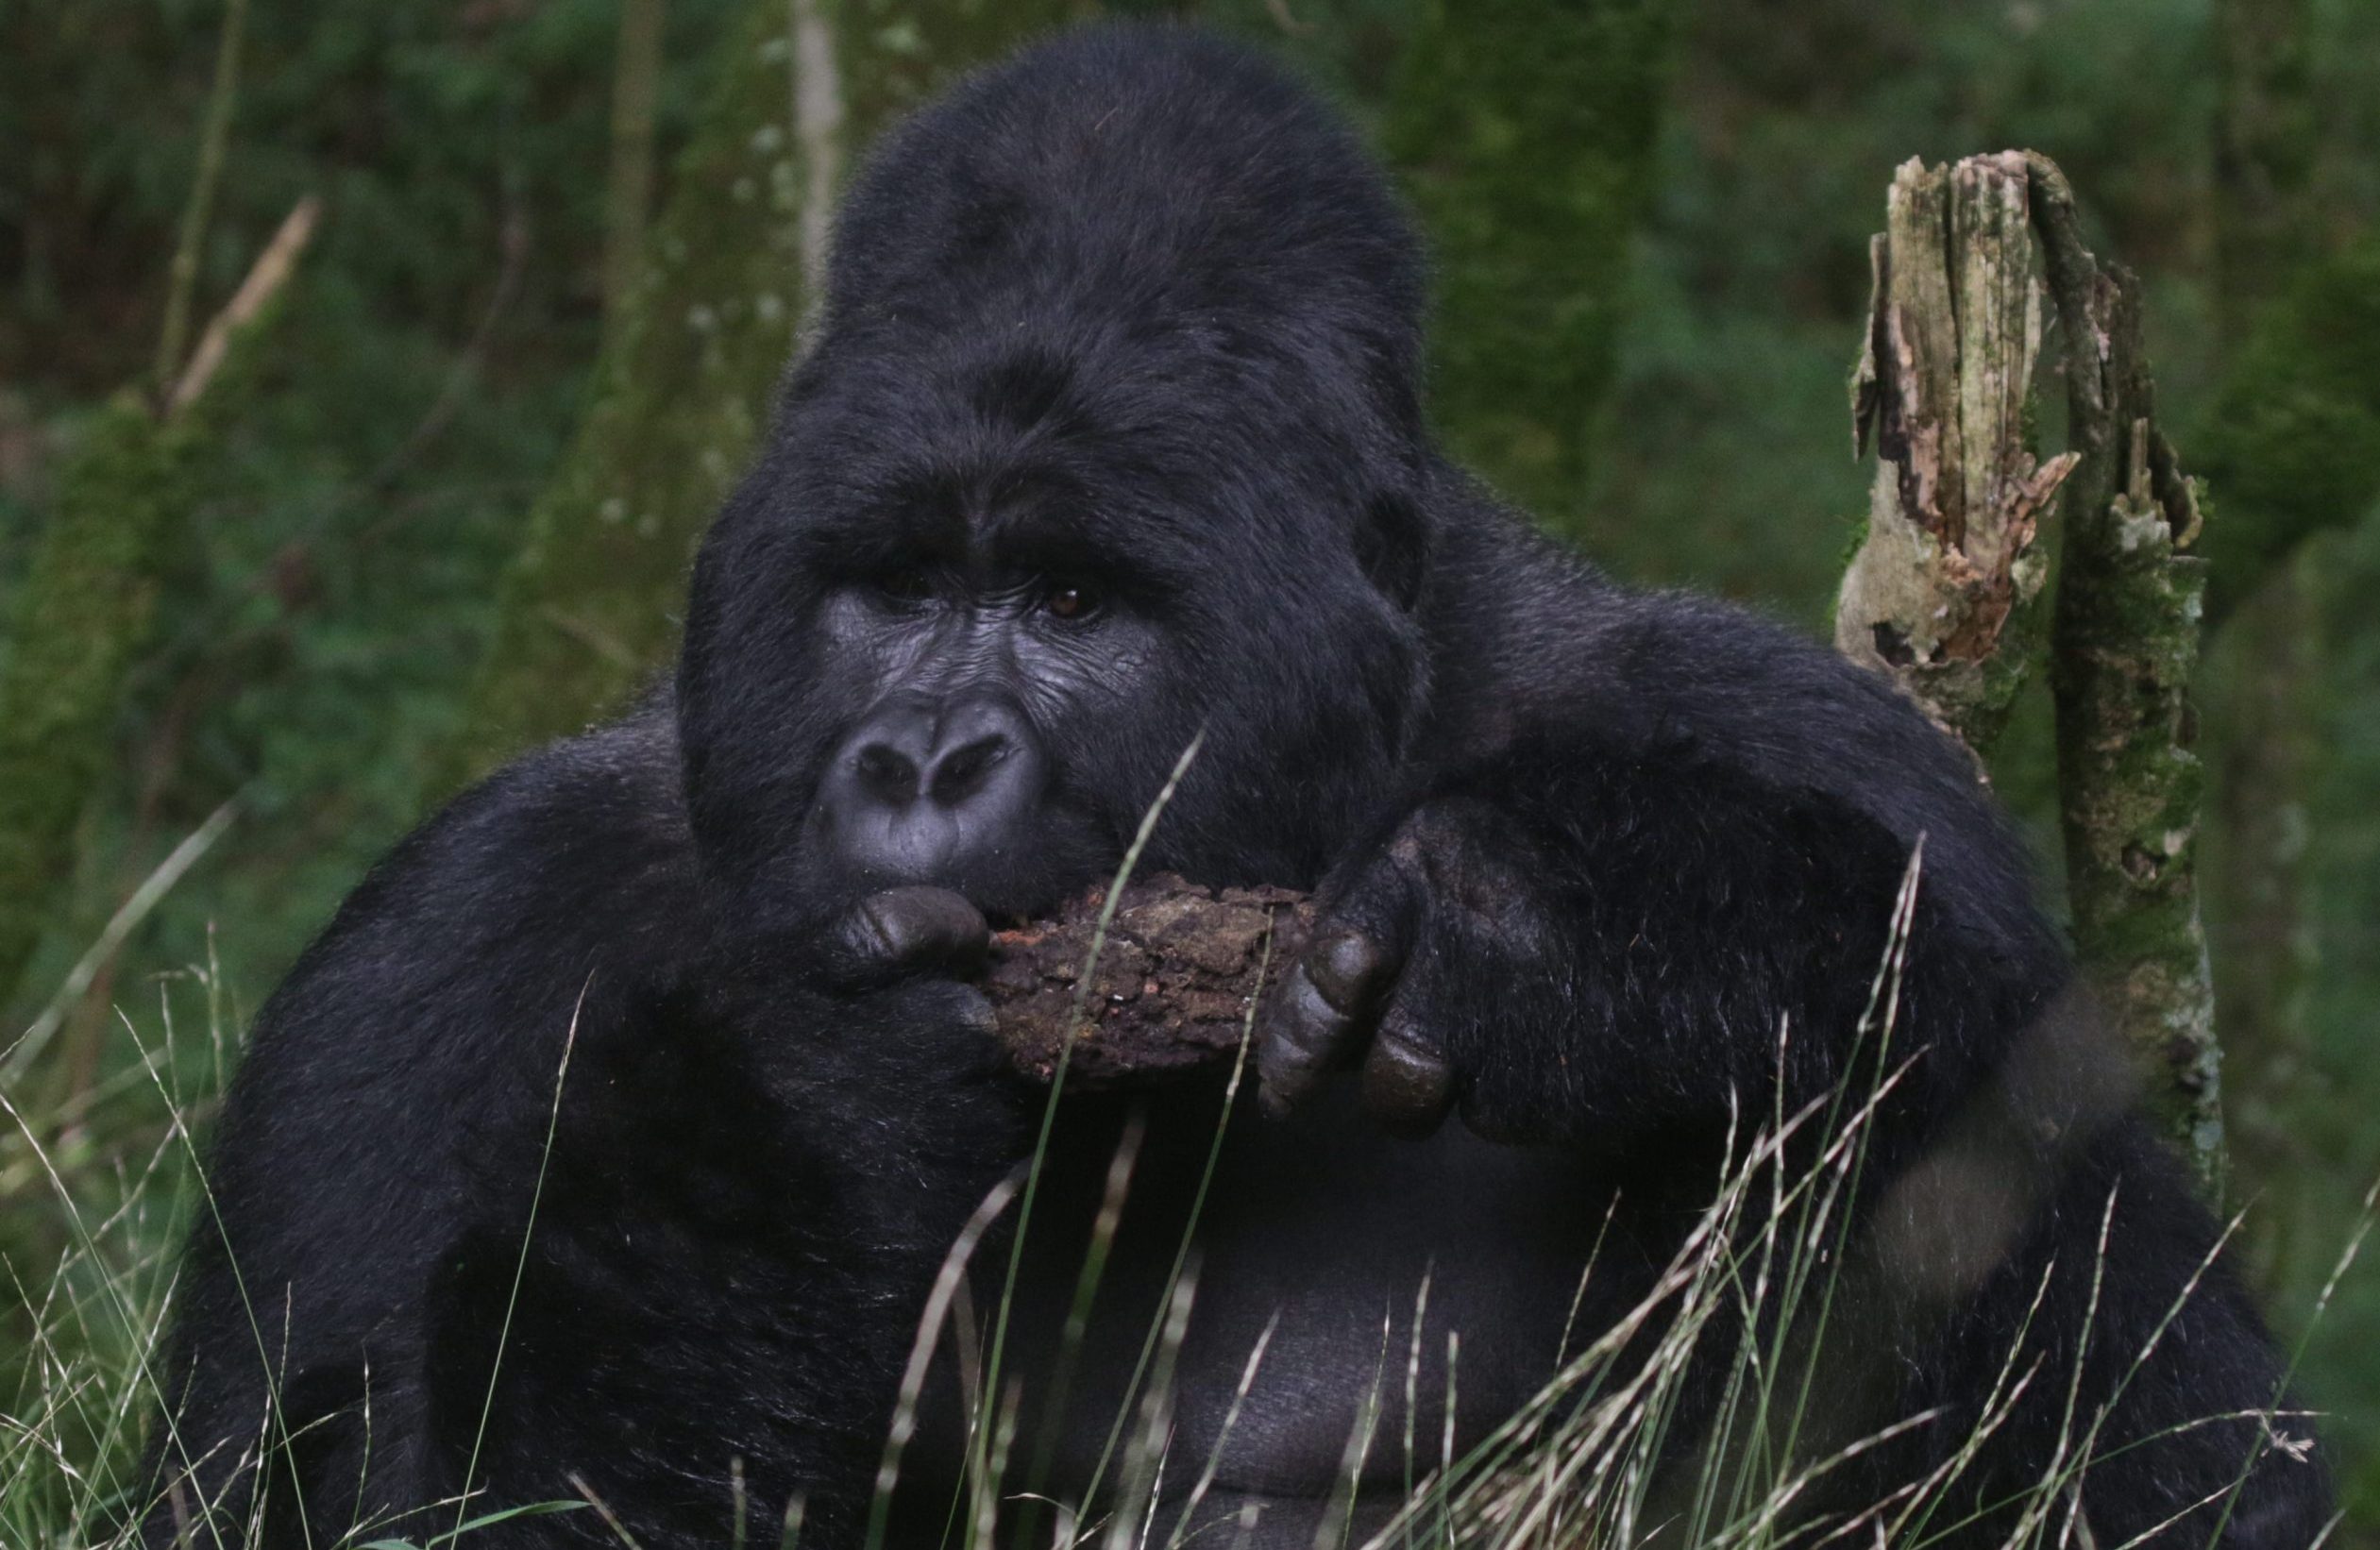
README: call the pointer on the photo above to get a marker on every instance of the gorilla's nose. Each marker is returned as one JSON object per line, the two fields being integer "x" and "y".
{"x": 920, "y": 790}
{"x": 907, "y": 763}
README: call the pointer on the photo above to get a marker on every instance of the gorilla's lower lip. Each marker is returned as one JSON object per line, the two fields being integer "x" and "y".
{"x": 1013, "y": 888}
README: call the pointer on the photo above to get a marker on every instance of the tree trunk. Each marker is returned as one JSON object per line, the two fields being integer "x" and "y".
{"x": 214, "y": 140}
{"x": 636, "y": 87}
{"x": 1951, "y": 582}
{"x": 2125, "y": 647}
{"x": 1525, "y": 131}
{"x": 681, "y": 391}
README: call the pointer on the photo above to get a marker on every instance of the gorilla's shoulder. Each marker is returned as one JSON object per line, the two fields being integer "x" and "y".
{"x": 570, "y": 859}
{"x": 431, "y": 1016}
{"x": 593, "y": 824}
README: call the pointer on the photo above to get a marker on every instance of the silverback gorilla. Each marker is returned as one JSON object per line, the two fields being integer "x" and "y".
{"x": 608, "y": 1143}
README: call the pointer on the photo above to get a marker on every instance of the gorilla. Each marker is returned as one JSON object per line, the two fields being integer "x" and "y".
{"x": 607, "y": 1147}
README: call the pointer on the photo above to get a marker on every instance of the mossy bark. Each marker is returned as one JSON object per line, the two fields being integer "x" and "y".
{"x": 85, "y": 612}
{"x": 586, "y": 615}
{"x": 1525, "y": 133}
{"x": 1946, "y": 591}
{"x": 2124, "y": 650}
{"x": 678, "y": 395}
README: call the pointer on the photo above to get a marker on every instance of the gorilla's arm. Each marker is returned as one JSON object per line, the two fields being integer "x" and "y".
{"x": 1647, "y": 875}
{"x": 701, "y": 1216}
{"x": 746, "y": 1200}
{"x": 428, "y": 1019}
{"x": 1649, "y": 843}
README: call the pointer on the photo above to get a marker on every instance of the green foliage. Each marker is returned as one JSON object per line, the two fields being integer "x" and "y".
{"x": 2292, "y": 444}
{"x": 1526, "y": 133}
{"x": 322, "y": 604}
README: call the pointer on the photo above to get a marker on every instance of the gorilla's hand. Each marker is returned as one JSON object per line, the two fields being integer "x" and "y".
{"x": 1598, "y": 941}
{"x": 872, "y": 998}
{"x": 854, "y": 1046}
{"x": 901, "y": 934}
{"x": 1424, "y": 942}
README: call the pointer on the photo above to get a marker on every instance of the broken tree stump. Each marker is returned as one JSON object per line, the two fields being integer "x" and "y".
{"x": 1173, "y": 989}
{"x": 1945, "y": 594}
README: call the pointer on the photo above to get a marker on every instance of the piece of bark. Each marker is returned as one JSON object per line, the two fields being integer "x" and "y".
{"x": 1172, "y": 990}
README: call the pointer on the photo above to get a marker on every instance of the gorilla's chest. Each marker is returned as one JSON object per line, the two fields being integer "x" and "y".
{"x": 1320, "y": 1240}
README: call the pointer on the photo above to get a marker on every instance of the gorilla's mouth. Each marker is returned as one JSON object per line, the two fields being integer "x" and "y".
{"x": 1016, "y": 871}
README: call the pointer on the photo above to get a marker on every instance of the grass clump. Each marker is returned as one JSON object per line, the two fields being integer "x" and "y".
{"x": 1699, "y": 1416}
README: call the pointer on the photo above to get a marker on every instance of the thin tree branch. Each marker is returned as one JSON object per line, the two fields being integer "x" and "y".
{"x": 214, "y": 138}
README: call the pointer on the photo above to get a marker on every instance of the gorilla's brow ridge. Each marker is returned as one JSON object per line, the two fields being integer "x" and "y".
{"x": 1046, "y": 531}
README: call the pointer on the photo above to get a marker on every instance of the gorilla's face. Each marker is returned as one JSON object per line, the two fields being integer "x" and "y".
{"x": 974, "y": 603}
{"x": 976, "y": 652}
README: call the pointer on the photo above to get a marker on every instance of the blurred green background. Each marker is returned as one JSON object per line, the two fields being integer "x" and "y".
{"x": 1652, "y": 218}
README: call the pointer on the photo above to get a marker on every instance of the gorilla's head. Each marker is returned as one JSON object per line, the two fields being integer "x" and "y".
{"x": 1108, "y": 436}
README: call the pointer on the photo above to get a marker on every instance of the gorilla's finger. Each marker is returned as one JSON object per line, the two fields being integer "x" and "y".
{"x": 1323, "y": 1013}
{"x": 1304, "y": 1034}
{"x": 1349, "y": 967}
{"x": 1406, "y": 1085}
{"x": 906, "y": 930}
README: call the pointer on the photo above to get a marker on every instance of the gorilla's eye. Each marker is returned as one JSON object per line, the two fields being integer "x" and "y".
{"x": 906, "y": 588}
{"x": 1073, "y": 601}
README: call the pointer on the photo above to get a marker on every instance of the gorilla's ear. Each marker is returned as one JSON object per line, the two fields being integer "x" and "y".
{"x": 1393, "y": 547}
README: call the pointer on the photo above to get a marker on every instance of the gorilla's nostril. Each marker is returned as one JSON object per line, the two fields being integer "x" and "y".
{"x": 887, "y": 774}
{"x": 960, "y": 773}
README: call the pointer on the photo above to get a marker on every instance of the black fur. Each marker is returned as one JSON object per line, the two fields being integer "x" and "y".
{"x": 1133, "y": 311}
